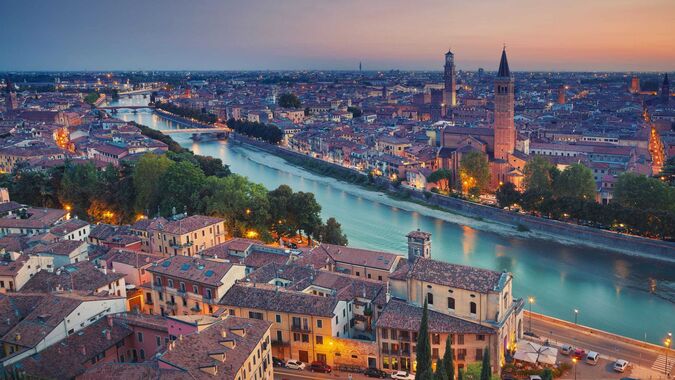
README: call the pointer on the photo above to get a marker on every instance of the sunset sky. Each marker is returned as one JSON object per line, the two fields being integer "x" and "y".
{"x": 543, "y": 35}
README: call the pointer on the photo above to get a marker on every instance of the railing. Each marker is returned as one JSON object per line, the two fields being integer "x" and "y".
{"x": 300, "y": 328}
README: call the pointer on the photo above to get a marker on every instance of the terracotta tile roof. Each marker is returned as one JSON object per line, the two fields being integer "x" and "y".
{"x": 194, "y": 351}
{"x": 134, "y": 258}
{"x": 37, "y": 218}
{"x": 67, "y": 359}
{"x": 357, "y": 256}
{"x": 84, "y": 276}
{"x": 187, "y": 225}
{"x": 14, "y": 242}
{"x": 132, "y": 371}
{"x": 452, "y": 275}
{"x": 67, "y": 227}
{"x": 268, "y": 297}
{"x": 208, "y": 272}
{"x": 6, "y": 207}
{"x": 61, "y": 248}
{"x": 401, "y": 315}
{"x": 233, "y": 245}
{"x": 15, "y": 307}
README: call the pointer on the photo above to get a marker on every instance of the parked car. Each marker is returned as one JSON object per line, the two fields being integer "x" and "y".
{"x": 535, "y": 377}
{"x": 320, "y": 367}
{"x": 295, "y": 364}
{"x": 377, "y": 373}
{"x": 276, "y": 362}
{"x": 566, "y": 349}
{"x": 620, "y": 365}
{"x": 579, "y": 354}
{"x": 592, "y": 358}
{"x": 402, "y": 375}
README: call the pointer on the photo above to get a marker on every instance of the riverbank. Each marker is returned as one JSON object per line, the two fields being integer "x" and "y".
{"x": 526, "y": 226}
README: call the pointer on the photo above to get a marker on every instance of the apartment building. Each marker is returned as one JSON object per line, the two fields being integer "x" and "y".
{"x": 186, "y": 236}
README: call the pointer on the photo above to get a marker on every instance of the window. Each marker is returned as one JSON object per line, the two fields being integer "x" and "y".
{"x": 434, "y": 353}
{"x": 170, "y": 283}
{"x": 142, "y": 354}
{"x": 305, "y": 338}
{"x": 319, "y": 323}
{"x": 480, "y": 337}
{"x": 472, "y": 307}
{"x": 255, "y": 315}
{"x": 384, "y": 333}
{"x": 279, "y": 336}
{"x": 208, "y": 294}
{"x": 277, "y": 318}
{"x": 393, "y": 334}
{"x": 430, "y": 298}
{"x": 140, "y": 337}
{"x": 319, "y": 339}
{"x": 451, "y": 303}
{"x": 296, "y": 337}
{"x": 182, "y": 287}
{"x": 195, "y": 289}
{"x": 460, "y": 338}
{"x": 435, "y": 339}
{"x": 159, "y": 340}
{"x": 358, "y": 273}
{"x": 479, "y": 354}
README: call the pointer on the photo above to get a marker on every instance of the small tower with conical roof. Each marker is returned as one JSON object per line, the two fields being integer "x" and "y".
{"x": 504, "y": 127}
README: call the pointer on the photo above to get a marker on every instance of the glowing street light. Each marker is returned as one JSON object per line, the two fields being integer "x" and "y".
{"x": 576, "y": 314}
{"x": 574, "y": 361}
{"x": 530, "y": 300}
{"x": 667, "y": 343}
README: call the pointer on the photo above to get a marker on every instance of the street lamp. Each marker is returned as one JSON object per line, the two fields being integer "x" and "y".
{"x": 530, "y": 299}
{"x": 574, "y": 361}
{"x": 667, "y": 344}
{"x": 576, "y": 314}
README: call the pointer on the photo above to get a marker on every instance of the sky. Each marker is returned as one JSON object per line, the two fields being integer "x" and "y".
{"x": 540, "y": 35}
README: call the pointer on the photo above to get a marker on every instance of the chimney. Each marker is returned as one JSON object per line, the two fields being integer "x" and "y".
{"x": 83, "y": 350}
{"x": 180, "y": 337}
{"x": 107, "y": 334}
{"x": 223, "y": 333}
{"x": 110, "y": 320}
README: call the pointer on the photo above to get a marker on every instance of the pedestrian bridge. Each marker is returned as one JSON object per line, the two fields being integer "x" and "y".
{"x": 195, "y": 131}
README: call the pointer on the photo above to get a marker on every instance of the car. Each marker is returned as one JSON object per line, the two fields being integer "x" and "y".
{"x": 402, "y": 375}
{"x": 374, "y": 372}
{"x": 579, "y": 354}
{"x": 620, "y": 365}
{"x": 276, "y": 362}
{"x": 535, "y": 377}
{"x": 321, "y": 367}
{"x": 566, "y": 349}
{"x": 592, "y": 358}
{"x": 295, "y": 364}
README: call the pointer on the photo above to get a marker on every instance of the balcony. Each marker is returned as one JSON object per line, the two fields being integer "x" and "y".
{"x": 175, "y": 245}
{"x": 279, "y": 343}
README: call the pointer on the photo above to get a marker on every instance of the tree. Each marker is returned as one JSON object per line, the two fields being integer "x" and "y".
{"x": 576, "y": 181}
{"x": 279, "y": 199}
{"x": 79, "y": 186}
{"x": 356, "y": 111}
{"x": 442, "y": 177}
{"x": 331, "y": 233}
{"x": 474, "y": 172}
{"x": 460, "y": 375}
{"x": 289, "y": 100}
{"x": 508, "y": 195}
{"x": 147, "y": 173}
{"x": 641, "y": 192}
{"x": 547, "y": 375}
{"x": 448, "y": 361}
{"x": 668, "y": 171}
{"x": 539, "y": 173}
{"x": 441, "y": 372}
{"x": 423, "y": 350}
{"x": 485, "y": 370}
{"x": 179, "y": 188}
{"x": 91, "y": 97}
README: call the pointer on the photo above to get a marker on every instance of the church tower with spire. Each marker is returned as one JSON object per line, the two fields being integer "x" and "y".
{"x": 504, "y": 127}
{"x": 11, "y": 102}
{"x": 450, "y": 81}
{"x": 665, "y": 90}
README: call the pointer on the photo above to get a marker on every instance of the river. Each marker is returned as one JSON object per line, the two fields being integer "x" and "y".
{"x": 625, "y": 295}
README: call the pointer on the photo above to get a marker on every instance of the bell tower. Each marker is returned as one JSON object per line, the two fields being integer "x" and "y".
{"x": 419, "y": 245}
{"x": 450, "y": 81}
{"x": 504, "y": 127}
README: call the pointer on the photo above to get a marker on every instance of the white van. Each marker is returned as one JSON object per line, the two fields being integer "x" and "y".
{"x": 592, "y": 358}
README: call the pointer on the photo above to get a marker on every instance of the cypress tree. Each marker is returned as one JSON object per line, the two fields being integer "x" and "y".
{"x": 460, "y": 375}
{"x": 441, "y": 373}
{"x": 423, "y": 350}
{"x": 448, "y": 362}
{"x": 485, "y": 366}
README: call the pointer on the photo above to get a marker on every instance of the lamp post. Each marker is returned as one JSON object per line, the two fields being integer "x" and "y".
{"x": 530, "y": 300}
{"x": 574, "y": 361}
{"x": 667, "y": 343}
{"x": 576, "y": 314}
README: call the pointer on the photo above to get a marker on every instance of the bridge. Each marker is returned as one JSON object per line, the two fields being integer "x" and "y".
{"x": 139, "y": 91}
{"x": 113, "y": 108}
{"x": 196, "y": 131}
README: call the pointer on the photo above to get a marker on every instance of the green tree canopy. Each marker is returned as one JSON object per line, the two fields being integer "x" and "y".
{"x": 443, "y": 177}
{"x": 441, "y": 373}
{"x": 289, "y": 100}
{"x": 180, "y": 186}
{"x": 147, "y": 173}
{"x": 79, "y": 186}
{"x": 485, "y": 370}
{"x": 474, "y": 172}
{"x": 448, "y": 361}
{"x": 331, "y": 233}
{"x": 576, "y": 181}
{"x": 641, "y": 192}
{"x": 539, "y": 174}
{"x": 507, "y": 195}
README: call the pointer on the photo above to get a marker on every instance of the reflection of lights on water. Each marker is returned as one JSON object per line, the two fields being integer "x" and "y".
{"x": 652, "y": 285}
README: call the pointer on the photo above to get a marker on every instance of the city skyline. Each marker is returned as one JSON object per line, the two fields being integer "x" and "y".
{"x": 303, "y": 35}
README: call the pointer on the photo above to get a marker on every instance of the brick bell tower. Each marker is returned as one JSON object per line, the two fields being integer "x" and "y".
{"x": 449, "y": 81}
{"x": 504, "y": 127}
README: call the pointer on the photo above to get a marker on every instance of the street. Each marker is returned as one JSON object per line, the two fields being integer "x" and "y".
{"x": 289, "y": 374}
{"x": 605, "y": 345}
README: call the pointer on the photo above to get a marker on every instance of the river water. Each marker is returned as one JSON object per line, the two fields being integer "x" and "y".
{"x": 621, "y": 294}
